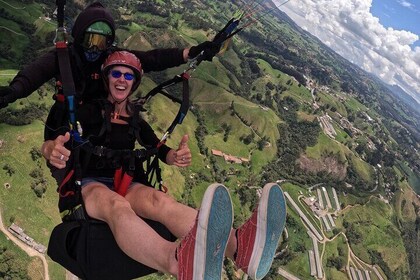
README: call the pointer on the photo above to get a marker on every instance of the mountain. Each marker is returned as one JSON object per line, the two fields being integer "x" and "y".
{"x": 405, "y": 97}
{"x": 278, "y": 97}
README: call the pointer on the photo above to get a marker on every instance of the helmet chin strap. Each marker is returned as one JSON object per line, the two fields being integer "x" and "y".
{"x": 119, "y": 102}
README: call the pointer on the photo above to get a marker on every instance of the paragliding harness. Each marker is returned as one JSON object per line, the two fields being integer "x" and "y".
{"x": 85, "y": 246}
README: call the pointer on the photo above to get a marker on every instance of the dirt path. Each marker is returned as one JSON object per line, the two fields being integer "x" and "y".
{"x": 29, "y": 250}
{"x": 8, "y": 29}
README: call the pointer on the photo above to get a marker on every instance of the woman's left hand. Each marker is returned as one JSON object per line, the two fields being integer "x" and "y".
{"x": 182, "y": 156}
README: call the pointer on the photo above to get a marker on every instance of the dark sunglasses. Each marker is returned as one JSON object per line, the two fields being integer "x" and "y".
{"x": 117, "y": 74}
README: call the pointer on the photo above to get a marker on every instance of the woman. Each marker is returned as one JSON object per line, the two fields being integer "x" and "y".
{"x": 207, "y": 238}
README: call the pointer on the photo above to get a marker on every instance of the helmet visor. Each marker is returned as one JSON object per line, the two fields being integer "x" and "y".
{"x": 93, "y": 41}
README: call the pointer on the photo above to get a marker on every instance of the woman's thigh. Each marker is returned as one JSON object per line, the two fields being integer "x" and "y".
{"x": 158, "y": 206}
{"x": 148, "y": 202}
{"x": 101, "y": 202}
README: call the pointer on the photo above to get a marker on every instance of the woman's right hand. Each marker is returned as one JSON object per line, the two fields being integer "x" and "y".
{"x": 55, "y": 152}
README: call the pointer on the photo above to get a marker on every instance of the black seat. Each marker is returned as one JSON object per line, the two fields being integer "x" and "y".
{"x": 87, "y": 249}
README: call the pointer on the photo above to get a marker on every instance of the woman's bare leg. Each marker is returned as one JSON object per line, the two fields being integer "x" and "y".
{"x": 155, "y": 205}
{"x": 133, "y": 235}
{"x": 158, "y": 206}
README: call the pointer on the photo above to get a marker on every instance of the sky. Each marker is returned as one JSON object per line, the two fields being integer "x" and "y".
{"x": 380, "y": 36}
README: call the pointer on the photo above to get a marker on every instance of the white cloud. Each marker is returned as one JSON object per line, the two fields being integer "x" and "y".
{"x": 353, "y": 32}
{"x": 405, "y": 3}
{"x": 408, "y": 4}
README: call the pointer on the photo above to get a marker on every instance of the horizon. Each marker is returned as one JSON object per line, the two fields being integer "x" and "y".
{"x": 364, "y": 33}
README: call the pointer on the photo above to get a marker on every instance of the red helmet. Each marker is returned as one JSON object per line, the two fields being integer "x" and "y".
{"x": 123, "y": 58}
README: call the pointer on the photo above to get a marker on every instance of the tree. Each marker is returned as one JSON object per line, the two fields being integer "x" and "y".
{"x": 11, "y": 267}
{"x": 35, "y": 153}
{"x": 36, "y": 173}
{"x": 262, "y": 143}
{"x": 248, "y": 138}
{"x": 336, "y": 262}
{"x": 9, "y": 169}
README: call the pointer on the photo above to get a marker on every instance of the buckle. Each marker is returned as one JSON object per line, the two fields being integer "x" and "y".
{"x": 139, "y": 153}
{"x": 99, "y": 151}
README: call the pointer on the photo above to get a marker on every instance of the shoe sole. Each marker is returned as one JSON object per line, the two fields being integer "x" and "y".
{"x": 270, "y": 225}
{"x": 213, "y": 230}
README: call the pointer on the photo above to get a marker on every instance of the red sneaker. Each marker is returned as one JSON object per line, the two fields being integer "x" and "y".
{"x": 259, "y": 236}
{"x": 200, "y": 254}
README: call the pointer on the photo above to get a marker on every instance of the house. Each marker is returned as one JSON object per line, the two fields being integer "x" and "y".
{"x": 217, "y": 153}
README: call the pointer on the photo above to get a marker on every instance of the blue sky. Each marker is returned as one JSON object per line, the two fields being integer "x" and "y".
{"x": 380, "y": 36}
{"x": 401, "y": 14}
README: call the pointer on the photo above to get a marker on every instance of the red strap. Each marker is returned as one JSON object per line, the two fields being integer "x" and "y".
{"x": 117, "y": 179}
{"x": 123, "y": 187}
{"x": 66, "y": 179}
{"x": 61, "y": 45}
{"x": 60, "y": 97}
{"x": 185, "y": 76}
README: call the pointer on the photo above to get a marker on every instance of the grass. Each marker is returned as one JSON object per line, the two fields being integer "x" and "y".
{"x": 413, "y": 178}
{"x": 211, "y": 72}
{"x": 305, "y": 116}
{"x": 326, "y": 146}
{"x": 44, "y": 27}
{"x": 363, "y": 169}
{"x": 405, "y": 203}
{"x": 341, "y": 136}
{"x": 218, "y": 112}
{"x": 16, "y": 37}
{"x": 23, "y": 11}
{"x": 37, "y": 216}
{"x": 6, "y": 76}
{"x": 373, "y": 222}
{"x": 327, "y": 98}
{"x": 299, "y": 266}
{"x": 354, "y": 105}
{"x": 277, "y": 77}
{"x": 350, "y": 199}
{"x": 332, "y": 250}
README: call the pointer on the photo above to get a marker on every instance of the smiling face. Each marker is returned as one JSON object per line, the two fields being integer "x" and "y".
{"x": 120, "y": 83}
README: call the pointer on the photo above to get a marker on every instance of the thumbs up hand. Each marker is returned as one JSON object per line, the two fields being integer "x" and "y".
{"x": 55, "y": 152}
{"x": 182, "y": 156}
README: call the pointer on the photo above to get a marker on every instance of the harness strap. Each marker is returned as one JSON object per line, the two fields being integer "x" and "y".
{"x": 66, "y": 179}
{"x": 102, "y": 151}
{"x": 153, "y": 169}
{"x": 122, "y": 178}
{"x": 117, "y": 178}
{"x": 153, "y": 166}
{"x": 65, "y": 70}
{"x": 60, "y": 12}
{"x": 125, "y": 182}
{"x": 128, "y": 176}
{"x": 108, "y": 108}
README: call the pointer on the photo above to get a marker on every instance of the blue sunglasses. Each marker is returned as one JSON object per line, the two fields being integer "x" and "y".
{"x": 117, "y": 74}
